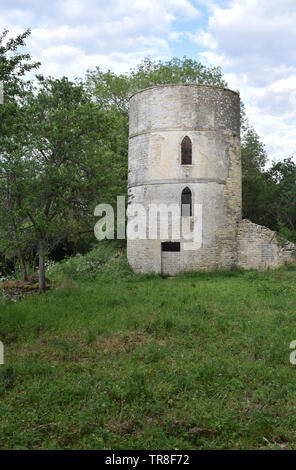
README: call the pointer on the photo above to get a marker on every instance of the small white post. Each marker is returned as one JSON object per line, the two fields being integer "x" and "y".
{"x": 1, "y": 93}
{"x": 1, "y": 353}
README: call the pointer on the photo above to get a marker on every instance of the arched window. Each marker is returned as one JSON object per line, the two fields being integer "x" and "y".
{"x": 186, "y": 151}
{"x": 186, "y": 202}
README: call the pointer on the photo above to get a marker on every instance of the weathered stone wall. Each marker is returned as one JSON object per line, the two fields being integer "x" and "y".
{"x": 159, "y": 119}
{"x": 170, "y": 263}
{"x": 261, "y": 248}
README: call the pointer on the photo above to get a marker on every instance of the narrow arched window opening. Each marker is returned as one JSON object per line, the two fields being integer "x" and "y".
{"x": 186, "y": 151}
{"x": 186, "y": 202}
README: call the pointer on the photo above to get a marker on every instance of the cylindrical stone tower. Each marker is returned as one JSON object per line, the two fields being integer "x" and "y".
{"x": 184, "y": 148}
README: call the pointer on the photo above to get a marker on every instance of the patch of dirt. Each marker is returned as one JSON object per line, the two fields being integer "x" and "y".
{"x": 14, "y": 290}
{"x": 76, "y": 349}
{"x": 125, "y": 427}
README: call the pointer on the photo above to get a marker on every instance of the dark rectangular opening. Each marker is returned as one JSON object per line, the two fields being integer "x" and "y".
{"x": 170, "y": 246}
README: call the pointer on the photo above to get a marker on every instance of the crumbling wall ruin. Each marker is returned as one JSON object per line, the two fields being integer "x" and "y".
{"x": 261, "y": 248}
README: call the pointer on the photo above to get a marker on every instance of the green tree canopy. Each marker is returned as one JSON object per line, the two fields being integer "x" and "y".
{"x": 114, "y": 90}
{"x": 283, "y": 197}
{"x": 13, "y": 66}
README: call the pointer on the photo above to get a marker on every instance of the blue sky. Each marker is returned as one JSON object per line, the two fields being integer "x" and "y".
{"x": 254, "y": 41}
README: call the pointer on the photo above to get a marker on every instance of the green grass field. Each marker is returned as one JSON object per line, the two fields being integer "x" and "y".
{"x": 111, "y": 360}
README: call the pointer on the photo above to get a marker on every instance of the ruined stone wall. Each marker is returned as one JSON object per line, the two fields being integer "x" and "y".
{"x": 261, "y": 248}
{"x": 170, "y": 263}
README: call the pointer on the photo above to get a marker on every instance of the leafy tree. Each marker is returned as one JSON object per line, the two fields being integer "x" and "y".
{"x": 62, "y": 167}
{"x": 254, "y": 155}
{"x": 15, "y": 237}
{"x": 283, "y": 197}
{"x": 269, "y": 195}
{"x": 113, "y": 90}
{"x": 255, "y": 181}
{"x": 13, "y": 66}
{"x": 69, "y": 153}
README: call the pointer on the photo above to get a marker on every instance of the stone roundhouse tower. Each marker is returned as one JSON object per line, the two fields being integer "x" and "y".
{"x": 184, "y": 148}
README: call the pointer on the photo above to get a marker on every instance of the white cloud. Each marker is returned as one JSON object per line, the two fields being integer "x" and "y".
{"x": 69, "y": 36}
{"x": 204, "y": 39}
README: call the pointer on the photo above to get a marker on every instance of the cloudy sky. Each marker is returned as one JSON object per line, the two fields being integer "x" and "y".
{"x": 254, "y": 41}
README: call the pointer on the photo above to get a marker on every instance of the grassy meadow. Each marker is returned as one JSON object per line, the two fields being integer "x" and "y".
{"x": 110, "y": 360}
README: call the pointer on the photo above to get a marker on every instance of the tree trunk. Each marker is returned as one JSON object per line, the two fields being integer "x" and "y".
{"x": 23, "y": 265}
{"x": 41, "y": 250}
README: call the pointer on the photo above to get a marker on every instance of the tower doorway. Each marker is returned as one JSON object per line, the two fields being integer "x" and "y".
{"x": 170, "y": 258}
